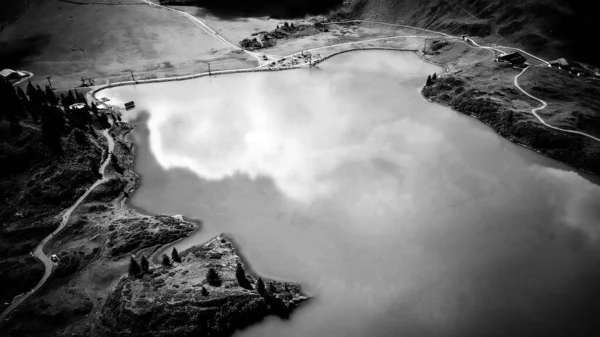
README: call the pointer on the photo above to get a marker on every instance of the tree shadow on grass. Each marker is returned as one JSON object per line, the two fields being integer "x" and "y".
{"x": 233, "y": 9}
{"x": 14, "y": 54}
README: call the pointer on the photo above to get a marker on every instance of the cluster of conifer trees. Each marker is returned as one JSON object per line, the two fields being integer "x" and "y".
{"x": 431, "y": 79}
{"x": 54, "y": 113}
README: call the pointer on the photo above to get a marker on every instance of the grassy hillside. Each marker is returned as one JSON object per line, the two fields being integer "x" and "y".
{"x": 552, "y": 28}
{"x": 67, "y": 40}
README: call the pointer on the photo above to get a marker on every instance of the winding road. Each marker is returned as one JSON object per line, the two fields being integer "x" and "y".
{"x": 48, "y": 265}
{"x": 39, "y": 250}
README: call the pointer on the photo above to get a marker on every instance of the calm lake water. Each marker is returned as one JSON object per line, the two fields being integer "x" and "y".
{"x": 401, "y": 217}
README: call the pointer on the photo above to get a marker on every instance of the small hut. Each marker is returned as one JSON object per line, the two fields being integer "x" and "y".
{"x": 515, "y": 58}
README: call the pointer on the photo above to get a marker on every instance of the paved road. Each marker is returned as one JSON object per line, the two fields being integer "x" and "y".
{"x": 39, "y": 250}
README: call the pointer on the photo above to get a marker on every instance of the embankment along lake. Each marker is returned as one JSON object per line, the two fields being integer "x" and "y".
{"x": 401, "y": 217}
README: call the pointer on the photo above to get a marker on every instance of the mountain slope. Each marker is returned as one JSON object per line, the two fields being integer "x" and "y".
{"x": 552, "y": 28}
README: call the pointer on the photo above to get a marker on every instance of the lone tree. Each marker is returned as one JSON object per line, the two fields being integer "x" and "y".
{"x": 434, "y": 77}
{"x": 260, "y": 287}
{"x": 134, "y": 267}
{"x": 145, "y": 265}
{"x": 204, "y": 292}
{"x": 175, "y": 256}
{"x": 429, "y": 81}
{"x": 165, "y": 260}
{"x": 213, "y": 278}
{"x": 240, "y": 275}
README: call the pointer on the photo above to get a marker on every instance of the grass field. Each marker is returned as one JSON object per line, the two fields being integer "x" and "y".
{"x": 573, "y": 101}
{"x": 67, "y": 41}
{"x": 11, "y": 10}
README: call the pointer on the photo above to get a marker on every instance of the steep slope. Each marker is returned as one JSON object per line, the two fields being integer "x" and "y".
{"x": 551, "y": 28}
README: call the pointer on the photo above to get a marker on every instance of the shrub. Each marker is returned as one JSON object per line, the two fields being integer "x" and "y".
{"x": 240, "y": 275}
{"x": 145, "y": 265}
{"x": 260, "y": 287}
{"x": 213, "y": 278}
{"x": 175, "y": 255}
{"x": 165, "y": 260}
{"x": 134, "y": 267}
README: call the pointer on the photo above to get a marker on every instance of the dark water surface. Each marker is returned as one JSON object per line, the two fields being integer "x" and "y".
{"x": 402, "y": 217}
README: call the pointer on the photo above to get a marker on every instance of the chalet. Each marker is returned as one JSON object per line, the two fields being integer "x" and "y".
{"x": 560, "y": 63}
{"x": 129, "y": 105}
{"x": 9, "y": 74}
{"x": 514, "y": 58}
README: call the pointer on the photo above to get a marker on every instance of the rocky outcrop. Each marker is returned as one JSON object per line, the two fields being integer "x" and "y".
{"x": 178, "y": 301}
{"x": 129, "y": 235}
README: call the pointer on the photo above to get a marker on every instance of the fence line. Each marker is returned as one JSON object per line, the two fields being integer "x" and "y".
{"x": 93, "y": 92}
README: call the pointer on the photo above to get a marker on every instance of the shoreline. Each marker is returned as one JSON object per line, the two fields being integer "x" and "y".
{"x": 92, "y": 94}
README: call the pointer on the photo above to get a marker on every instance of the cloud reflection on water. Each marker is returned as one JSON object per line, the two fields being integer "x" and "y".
{"x": 409, "y": 214}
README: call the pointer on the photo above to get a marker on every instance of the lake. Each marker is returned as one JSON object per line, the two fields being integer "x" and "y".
{"x": 401, "y": 216}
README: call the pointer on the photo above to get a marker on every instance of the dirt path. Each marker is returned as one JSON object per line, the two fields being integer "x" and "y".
{"x": 39, "y": 250}
{"x": 205, "y": 28}
{"x": 544, "y": 104}
{"x": 515, "y": 80}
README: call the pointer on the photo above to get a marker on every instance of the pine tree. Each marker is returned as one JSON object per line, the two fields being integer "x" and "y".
{"x": 272, "y": 288}
{"x": 41, "y": 96}
{"x": 212, "y": 277}
{"x": 52, "y": 127}
{"x": 94, "y": 109}
{"x": 79, "y": 97}
{"x": 165, "y": 260}
{"x": 292, "y": 26}
{"x": 134, "y": 267}
{"x": 50, "y": 96}
{"x": 104, "y": 123}
{"x": 31, "y": 92}
{"x": 64, "y": 101}
{"x": 434, "y": 77}
{"x": 204, "y": 292}
{"x": 260, "y": 286}
{"x": 22, "y": 95}
{"x": 145, "y": 265}
{"x": 12, "y": 106}
{"x": 70, "y": 99}
{"x": 240, "y": 275}
{"x": 429, "y": 81}
{"x": 175, "y": 255}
